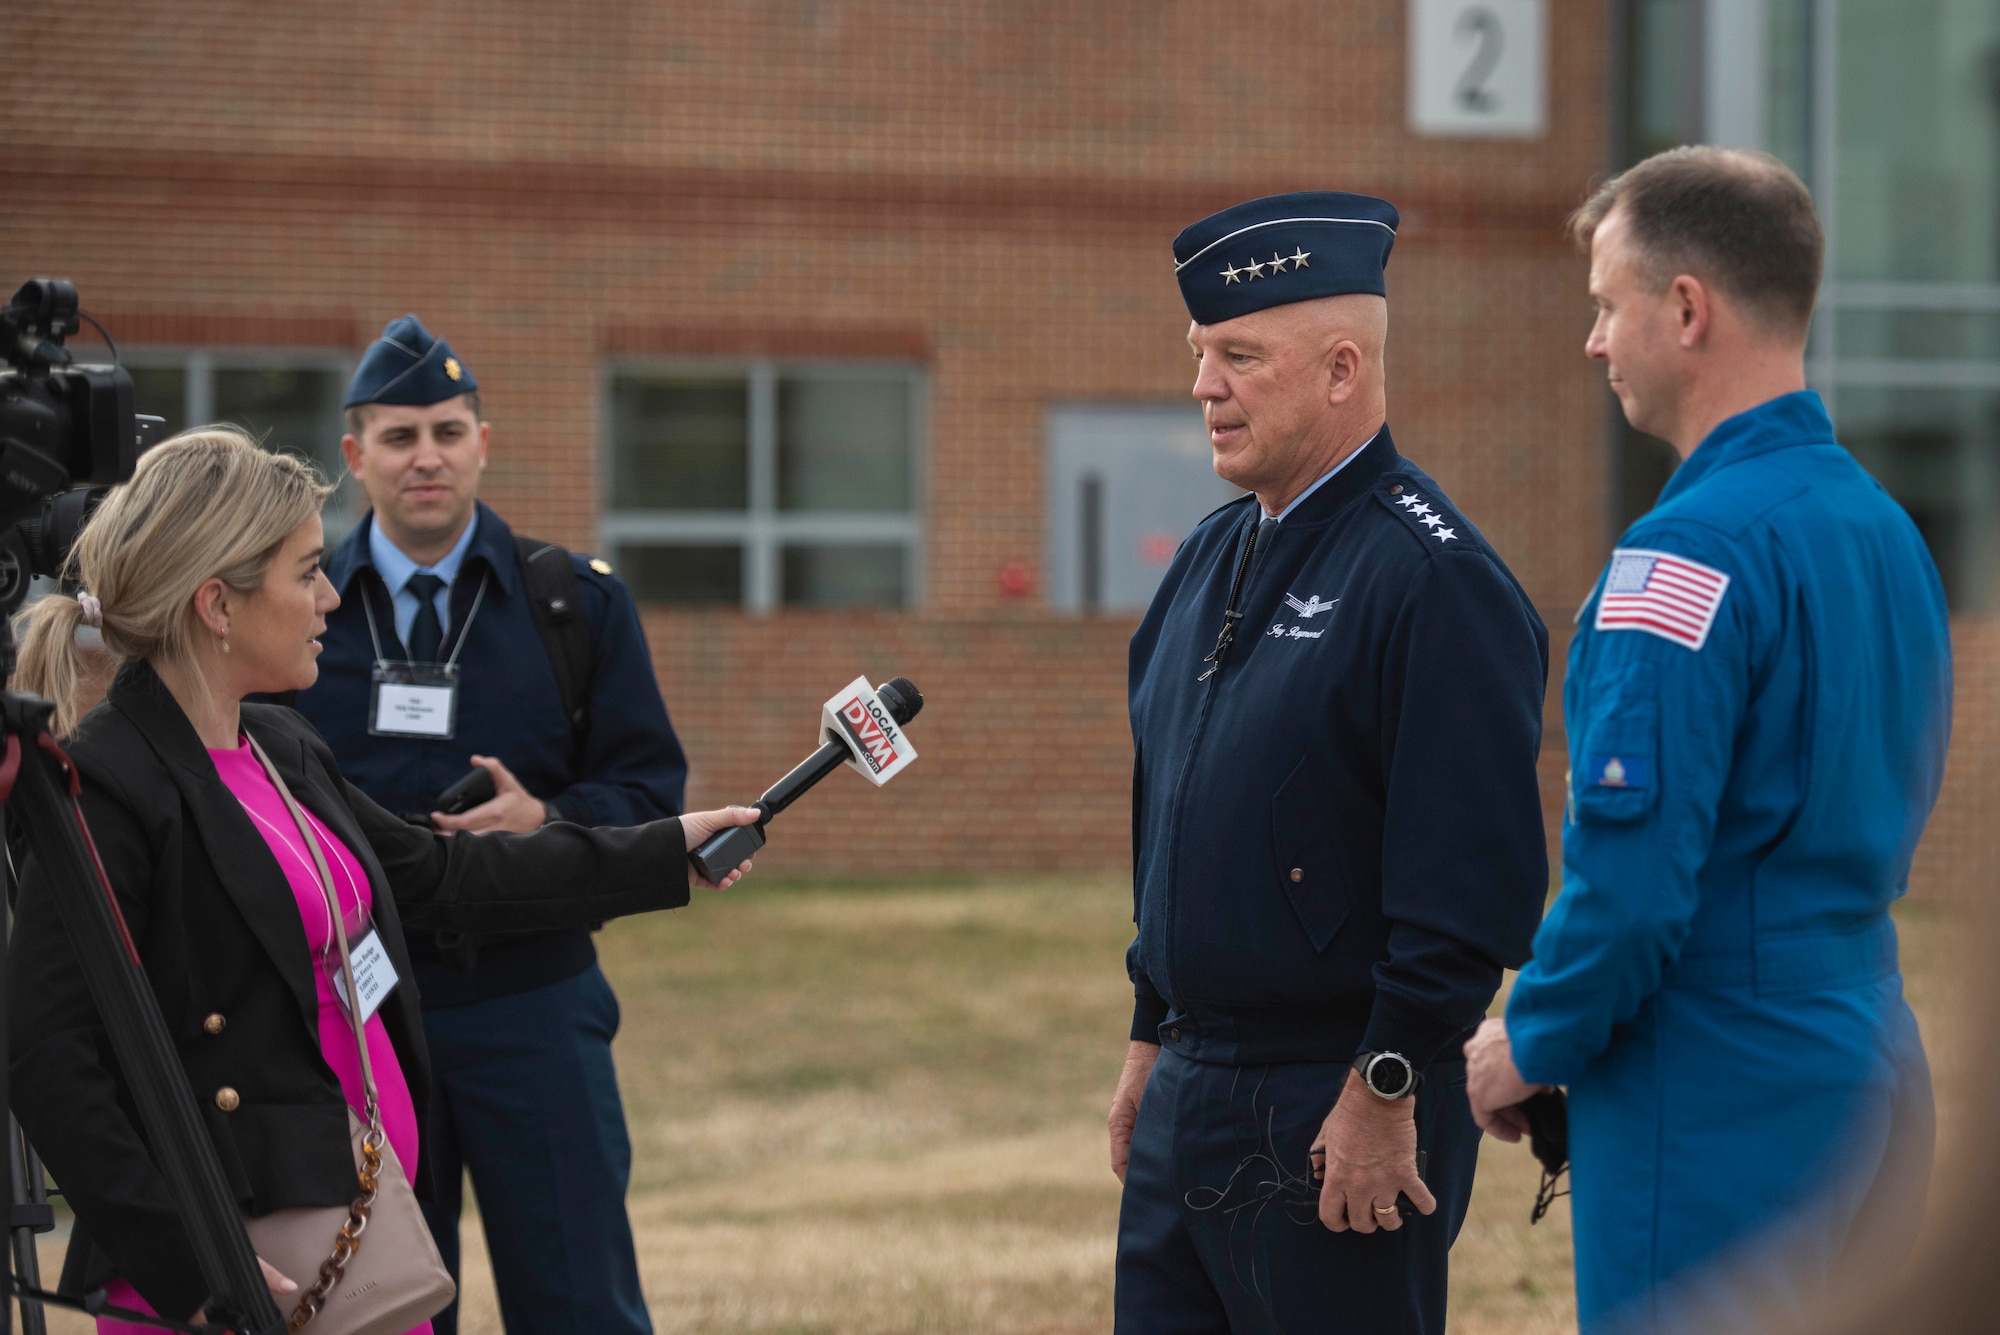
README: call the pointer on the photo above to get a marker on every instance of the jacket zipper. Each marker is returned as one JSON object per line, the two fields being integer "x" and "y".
{"x": 1213, "y": 677}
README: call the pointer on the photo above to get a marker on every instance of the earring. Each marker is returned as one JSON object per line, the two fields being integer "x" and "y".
{"x": 224, "y": 637}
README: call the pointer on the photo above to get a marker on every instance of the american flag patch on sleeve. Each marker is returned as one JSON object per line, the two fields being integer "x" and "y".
{"x": 1661, "y": 594}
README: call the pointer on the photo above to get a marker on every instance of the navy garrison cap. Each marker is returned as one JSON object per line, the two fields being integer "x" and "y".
{"x": 408, "y": 366}
{"x": 1281, "y": 249}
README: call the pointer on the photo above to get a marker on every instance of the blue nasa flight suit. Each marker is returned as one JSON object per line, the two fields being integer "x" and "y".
{"x": 1717, "y": 984}
{"x": 1337, "y": 846}
{"x": 524, "y": 1090}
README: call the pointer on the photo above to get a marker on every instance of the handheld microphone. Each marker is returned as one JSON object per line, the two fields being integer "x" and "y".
{"x": 859, "y": 728}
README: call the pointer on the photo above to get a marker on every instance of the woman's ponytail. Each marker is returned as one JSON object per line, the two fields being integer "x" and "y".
{"x": 51, "y": 663}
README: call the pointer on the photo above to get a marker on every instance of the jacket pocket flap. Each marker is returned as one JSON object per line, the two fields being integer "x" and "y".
{"x": 1613, "y": 777}
{"x": 1304, "y": 854}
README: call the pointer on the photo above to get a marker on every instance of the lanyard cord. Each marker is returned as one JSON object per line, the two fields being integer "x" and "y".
{"x": 311, "y": 870}
{"x": 1230, "y": 616}
{"x": 458, "y": 641}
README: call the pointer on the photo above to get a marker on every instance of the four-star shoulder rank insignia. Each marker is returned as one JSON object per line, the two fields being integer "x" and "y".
{"x": 1425, "y": 514}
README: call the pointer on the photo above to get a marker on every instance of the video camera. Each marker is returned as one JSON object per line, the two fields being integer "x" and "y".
{"x": 67, "y": 433}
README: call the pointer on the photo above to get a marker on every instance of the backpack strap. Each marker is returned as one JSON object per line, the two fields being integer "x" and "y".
{"x": 558, "y": 612}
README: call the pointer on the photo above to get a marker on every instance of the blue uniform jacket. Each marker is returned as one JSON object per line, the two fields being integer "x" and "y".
{"x": 629, "y": 768}
{"x": 1337, "y": 839}
{"x": 1717, "y": 982}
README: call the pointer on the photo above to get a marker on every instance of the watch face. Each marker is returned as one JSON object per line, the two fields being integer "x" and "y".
{"x": 1389, "y": 1075}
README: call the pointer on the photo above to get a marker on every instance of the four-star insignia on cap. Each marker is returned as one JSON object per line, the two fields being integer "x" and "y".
{"x": 1253, "y": 269}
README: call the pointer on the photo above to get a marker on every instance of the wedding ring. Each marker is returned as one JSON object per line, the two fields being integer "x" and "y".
{"x": 1385, "y": 1209}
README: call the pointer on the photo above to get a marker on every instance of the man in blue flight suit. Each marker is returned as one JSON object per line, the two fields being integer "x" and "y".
{"x": 1758, "y": 702}
{"x": 1336, "y": 704}
{"x": 434, "y": 663}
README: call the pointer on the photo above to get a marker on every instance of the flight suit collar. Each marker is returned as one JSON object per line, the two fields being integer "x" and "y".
{"x": 1798, "y": 418}
{"x": 492, "y": 542}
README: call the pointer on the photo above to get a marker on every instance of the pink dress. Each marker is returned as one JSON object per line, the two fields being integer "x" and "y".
{"x": 246, "y": 778}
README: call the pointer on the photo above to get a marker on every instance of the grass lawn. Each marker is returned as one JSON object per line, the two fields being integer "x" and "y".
{"x": 873, "y": 1110}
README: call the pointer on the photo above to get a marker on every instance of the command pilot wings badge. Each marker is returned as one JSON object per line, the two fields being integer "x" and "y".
{"x": 1311, "y": 607}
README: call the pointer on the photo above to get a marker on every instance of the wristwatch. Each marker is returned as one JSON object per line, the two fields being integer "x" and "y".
{"x": 1388, "y": 1075}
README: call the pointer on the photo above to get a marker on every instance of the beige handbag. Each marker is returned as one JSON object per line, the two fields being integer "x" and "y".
{"x": 394, "y": 1281}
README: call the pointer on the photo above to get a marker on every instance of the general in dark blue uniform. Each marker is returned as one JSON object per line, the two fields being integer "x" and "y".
{"x": 520, "y": 1027}
{"x": 1336, "y": 704}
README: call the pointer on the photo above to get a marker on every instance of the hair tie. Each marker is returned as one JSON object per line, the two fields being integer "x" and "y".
{"x": 93, "y": 611}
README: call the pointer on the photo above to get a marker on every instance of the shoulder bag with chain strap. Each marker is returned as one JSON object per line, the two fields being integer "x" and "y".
{"x": 397, "y": 1280}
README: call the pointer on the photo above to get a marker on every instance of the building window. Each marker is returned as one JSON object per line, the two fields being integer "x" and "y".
{"x": 1890, "y": 111}
{"x": 288, "y": 400}
{"x": 1125, "y": 483}
{"x": 765, "y": 484}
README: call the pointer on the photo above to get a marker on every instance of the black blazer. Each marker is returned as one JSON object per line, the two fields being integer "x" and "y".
{"x": 219, "y": 933}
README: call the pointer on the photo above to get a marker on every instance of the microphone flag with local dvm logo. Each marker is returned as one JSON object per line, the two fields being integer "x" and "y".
{"x": 879, "y": 748}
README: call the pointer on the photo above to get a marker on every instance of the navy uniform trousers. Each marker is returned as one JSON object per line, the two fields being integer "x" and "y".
{"x": 553, "y": 1199}
{"x": 1202, "y": 1252}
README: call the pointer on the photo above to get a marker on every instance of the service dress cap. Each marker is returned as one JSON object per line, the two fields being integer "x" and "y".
{"x": 408, "y": 365}
{"x": 1281, "y": 249}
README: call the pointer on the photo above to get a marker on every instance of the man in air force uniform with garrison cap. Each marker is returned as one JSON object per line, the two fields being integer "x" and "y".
{"x": 1336, "y": 703}
{"x": 458, "y": 642}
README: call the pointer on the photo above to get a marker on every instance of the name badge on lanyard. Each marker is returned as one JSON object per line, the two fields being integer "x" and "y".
{"x": 411, "y": 699}
{"x": 374, "y": 974}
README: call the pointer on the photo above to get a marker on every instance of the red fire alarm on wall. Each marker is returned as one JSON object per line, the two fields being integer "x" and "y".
{"x": 1016, "y": 579}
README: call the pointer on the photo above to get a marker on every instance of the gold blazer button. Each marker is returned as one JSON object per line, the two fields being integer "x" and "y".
{"x": 227, "y": 1099}
{"x": 215, "y": 1023}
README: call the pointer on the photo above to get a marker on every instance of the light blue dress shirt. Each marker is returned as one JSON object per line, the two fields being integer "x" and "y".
{"x": 395, "y": 568}
{"x": 1325, "y": 478}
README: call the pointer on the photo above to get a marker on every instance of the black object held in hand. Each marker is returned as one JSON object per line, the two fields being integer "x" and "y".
{"x": 1548, "y": 1136}
{"x": 475, "y": 789}
{"x": 724, "y": 852}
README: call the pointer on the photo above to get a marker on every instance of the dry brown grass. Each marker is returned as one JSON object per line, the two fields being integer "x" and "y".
{"x": 880, "y": 1110}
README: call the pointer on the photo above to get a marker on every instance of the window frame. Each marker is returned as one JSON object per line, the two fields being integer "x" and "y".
{"x": 199, "y": 362}
{"x": 761, "y": 528}
{"x": 1728, "y": 96}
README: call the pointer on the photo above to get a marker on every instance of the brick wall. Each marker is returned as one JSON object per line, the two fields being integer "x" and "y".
{"x": 987, "y": 187}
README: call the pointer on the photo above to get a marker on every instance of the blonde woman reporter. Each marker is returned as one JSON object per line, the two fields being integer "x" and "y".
{"x": 203, "y": 577}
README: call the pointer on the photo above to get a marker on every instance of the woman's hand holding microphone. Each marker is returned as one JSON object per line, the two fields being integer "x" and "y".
{"x": 697, "y": 826}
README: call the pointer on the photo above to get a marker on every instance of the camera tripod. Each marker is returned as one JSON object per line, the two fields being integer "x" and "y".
{"x": 38, "y": 793}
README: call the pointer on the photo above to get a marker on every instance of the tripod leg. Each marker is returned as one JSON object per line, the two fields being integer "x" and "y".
{"x": 43, "y": 800}
{"x": 30, "y": 1207}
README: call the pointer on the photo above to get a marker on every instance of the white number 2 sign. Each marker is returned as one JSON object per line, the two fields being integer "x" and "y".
{"x": 1479, "y": 67}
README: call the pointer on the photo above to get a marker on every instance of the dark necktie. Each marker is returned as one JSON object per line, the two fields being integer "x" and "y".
{"x": 426, "y": 635}
{"x": 1266, "y": 530}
